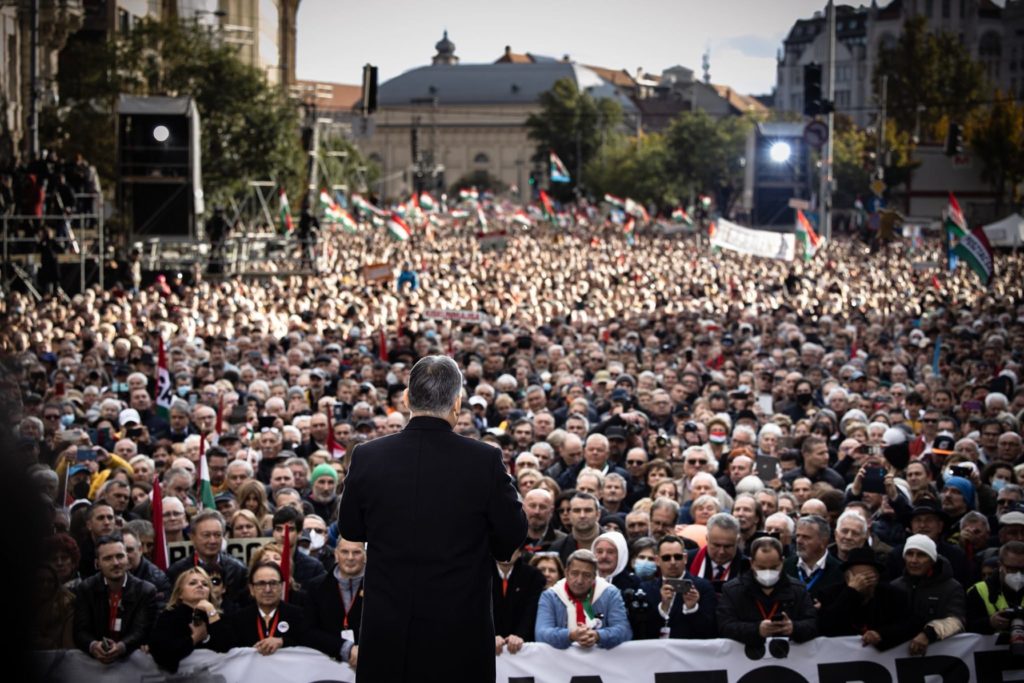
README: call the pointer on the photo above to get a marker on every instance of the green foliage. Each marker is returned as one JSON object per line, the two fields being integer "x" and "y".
{"x": 929, "y": 76}
{"x": 573, "y": 124}
{"x": 248, "y": 128}
{"x": 627, "y": 167}
{"x": 853, "y": 156}
{"x": 707, "y": 154}
{"x": 352, "y": 168}
{"x": 996, "y": 135}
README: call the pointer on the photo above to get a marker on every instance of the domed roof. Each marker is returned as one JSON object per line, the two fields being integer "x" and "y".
{"x": 445, "y": 46}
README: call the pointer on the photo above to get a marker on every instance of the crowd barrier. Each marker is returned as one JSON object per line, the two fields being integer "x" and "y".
{"x": 961, "y": 659}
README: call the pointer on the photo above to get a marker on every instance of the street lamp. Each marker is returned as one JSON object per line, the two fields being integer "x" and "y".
{"x": 161, "y": 133}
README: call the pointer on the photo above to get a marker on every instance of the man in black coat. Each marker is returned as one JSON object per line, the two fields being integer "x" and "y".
{"x": 436, "y": 510}
{"x": 765, "y": 603}
{"x": 515, "y": 592}
{"x": 865, "y": 604}
{"x": 334, "y": 603}
{"x": 207, "y": 537}
{"x": 114, "y": 611}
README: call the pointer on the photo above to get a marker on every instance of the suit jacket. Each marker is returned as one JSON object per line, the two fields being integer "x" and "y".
{"x": 92, "y": 612}
{"x": 831, "y": 575}
{"x": 740, "y": 565}
{"x": 325, "y": 615}
{"x": 234, "y": 573}
{"x": 740, "y": 619}
{"x": 436, "y": 509}
{"x": 515, "y": 611}
{"x": 699, "y": 625}
{"x": 240, "y": 628}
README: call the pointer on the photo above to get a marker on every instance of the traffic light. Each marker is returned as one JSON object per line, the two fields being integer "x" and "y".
{"x": 812, "y": 90}
{"x": 954, "y": 140}
{"x": 369, "y": 89}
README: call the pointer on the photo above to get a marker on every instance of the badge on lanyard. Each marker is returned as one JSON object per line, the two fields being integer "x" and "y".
{"x": 348, "y": 634}
{"x": 282, "y": 627}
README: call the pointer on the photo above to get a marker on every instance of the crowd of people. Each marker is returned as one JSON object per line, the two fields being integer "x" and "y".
{"x": 706, "y": 445}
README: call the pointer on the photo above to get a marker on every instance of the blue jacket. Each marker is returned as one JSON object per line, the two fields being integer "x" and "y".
{"x": 553, "y": 619}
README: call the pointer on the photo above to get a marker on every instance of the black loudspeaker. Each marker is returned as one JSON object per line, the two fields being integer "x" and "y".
{"x": 158, "y": 152}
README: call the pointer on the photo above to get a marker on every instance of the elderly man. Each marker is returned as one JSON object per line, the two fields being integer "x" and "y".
{"x": 323, "y": 492}
{"x": 937, "y": 603}
{"x": 663, "y": 517}
{"x": 991, "y": 602}
{"x": 781, "y": 526}
{"x": 596, "y": 452}
{"x": 720, "y": 560}
{"x": 114, "y": 611}
{"x": 865, "y": 604}
{"x": 570, "y": 453}
{"x": 317, "y": 436}
{"x": 582, "y": 608}
{"x": 812, "y": 566}
{"x": 207, "y": 538}
{"x": 142, "y": 568}
{"x": 638, "y": 525}
{"x": 539, "y": 505}
{"x": 238, "y": 472}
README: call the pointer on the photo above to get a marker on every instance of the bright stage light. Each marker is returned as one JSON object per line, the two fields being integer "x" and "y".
{"x": 780, "y": 152}
{"x": 161, "y": 133}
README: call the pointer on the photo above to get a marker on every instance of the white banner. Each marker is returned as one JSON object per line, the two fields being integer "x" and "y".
{"x": 961, "y": 659}
{"x": 763, "y": 243}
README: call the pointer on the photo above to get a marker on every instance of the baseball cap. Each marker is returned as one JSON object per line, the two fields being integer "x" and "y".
{"x": 129, "y": 415}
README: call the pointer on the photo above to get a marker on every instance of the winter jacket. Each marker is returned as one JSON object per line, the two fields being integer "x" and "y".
{"x": 608, "y": 608}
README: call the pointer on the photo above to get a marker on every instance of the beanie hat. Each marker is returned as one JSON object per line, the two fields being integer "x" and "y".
{"x": 965, "y": 487}
{"x": 922, "y": 543}
{"x": 323, "y": 470}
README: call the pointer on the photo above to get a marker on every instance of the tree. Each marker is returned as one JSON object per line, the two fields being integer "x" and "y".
{"x": 707, "y": 155}
{"x": 572, "y": 124}
{"x": 635, "y": 168}
{"x": 996, "y": 135}
{"x": 248, "y": 128}
{"x": 929, "y": 76}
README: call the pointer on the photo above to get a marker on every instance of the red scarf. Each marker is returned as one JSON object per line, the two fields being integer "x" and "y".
{"x": 584, "y": 610}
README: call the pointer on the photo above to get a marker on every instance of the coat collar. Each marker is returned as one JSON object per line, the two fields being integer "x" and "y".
{"x": 433, "y": 424}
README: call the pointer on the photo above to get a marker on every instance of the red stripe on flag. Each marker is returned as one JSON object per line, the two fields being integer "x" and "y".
{"x": 382, "y": 352}
{"x": 286, "y": 559}
{"x": 160, "y": 558}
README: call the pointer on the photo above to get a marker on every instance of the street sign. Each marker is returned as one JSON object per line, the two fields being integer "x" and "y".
{"x": 816, "y": 134}
{"x": 878, "y": 187}
{"x": 801, "y": 204}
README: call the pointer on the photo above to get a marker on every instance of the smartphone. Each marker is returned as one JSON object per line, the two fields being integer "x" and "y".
{"x": 874, "y": 480}
{"x": 193, "y": 398}
{"x": 266, "y": 421}
{"x": 341, "y": 411}
{"x": 134, "y": 432}
{"x": 767, "y": 468}
{"x": 781, "y": 616}
{"x": 960, "y": 471}
{"x": 237, "y": 415}
{"x": 680, "y": 585}
{"x": 85, "y": 454}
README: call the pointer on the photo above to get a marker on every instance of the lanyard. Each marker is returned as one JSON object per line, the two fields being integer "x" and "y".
{"x": 346, "y": 610}
{"x": 273, "y": 625}
{"x": 767, "y": 615}
{"x": 115, "y": 603}
{"x": 809, "y": 581}
{"x": 504, "y": 587}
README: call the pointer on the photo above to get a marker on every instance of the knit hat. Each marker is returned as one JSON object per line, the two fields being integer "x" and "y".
{"x": 922, "y": 543}
{"x": 965, "y": 487}
{"x": 323, "y": 470}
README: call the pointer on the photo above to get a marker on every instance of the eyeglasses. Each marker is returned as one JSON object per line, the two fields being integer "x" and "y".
{"x": 634, "y": 463}
{"x": 266, "y": 585}
{"x": 677, "y": 557}
{"x": 51, "y": 417}
{"x": 696, "y": 462}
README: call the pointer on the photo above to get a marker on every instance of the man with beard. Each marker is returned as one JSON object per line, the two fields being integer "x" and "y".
{"x": 539, "y": 504}
{"x": 323, "y": 492}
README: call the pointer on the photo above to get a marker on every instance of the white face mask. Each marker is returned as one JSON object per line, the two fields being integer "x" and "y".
{"x": 1015, "y": 581}
{"x": 767, "y": 577}
{"x": 316, "y": 540}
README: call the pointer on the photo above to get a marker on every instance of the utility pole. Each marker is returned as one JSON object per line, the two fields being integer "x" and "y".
{"x": 33, "y": 62}
{"x": 825, "y": 191}
{"x": 880, "y": 159}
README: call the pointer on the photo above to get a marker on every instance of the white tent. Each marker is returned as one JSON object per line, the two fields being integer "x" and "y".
{"x": 1008, "y": 232}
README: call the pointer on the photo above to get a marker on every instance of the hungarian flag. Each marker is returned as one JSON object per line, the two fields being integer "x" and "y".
{"x": 205, "y": 487}
{"x": 549, "y": 210}
{"x": 427, "y": 202}
{"x": 382, "y": 346}
{"x": 332, "y": 212}
{"x": 163, "y": 382}
{"x": 398, "y": 228}
{"x": 806, "y": 235}
{"x": 615, "y": 201}
{"x": 481, "y": 218}
{"x": 977, "y": 252}
{"x": 630, "y": 229}
{"x": 522, "y": 218}
{"x": 559, "y": 174}
{"x": 679, "y": 215}
{"x": 469, "y": 194}
{"x": 348, "y": 224}
{"x": 955, "y": 222}
{"x": 286, "y": 559}
{"x": 362, "y": 204}
{"x": 637, "y": 209}
{"x": 160, "y": 557}
{"x": 333, "y": 447}
{"x": 284, "y": 212}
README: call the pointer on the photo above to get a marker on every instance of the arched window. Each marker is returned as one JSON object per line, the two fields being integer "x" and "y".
{"x": 481, "y": 159}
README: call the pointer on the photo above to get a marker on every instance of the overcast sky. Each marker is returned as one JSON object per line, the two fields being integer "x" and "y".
{"x": 336, "y": 37}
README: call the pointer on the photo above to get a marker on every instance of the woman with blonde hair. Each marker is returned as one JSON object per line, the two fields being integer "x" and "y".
{"x": 190, "y": 620}
{"x": 245, "y": 525}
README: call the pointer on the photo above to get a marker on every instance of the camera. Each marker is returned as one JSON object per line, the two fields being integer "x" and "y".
{"x": 662, "y": 439}
{"x": 1016, "y": 617}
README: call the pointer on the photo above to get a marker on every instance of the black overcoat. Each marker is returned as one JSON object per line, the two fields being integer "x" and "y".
{"x": 435, "y": 509}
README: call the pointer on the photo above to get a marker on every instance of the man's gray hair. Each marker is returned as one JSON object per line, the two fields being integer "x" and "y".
{"x": 664, "y": 503}
{"x": 723, "y": 520}
{"x": 434, "y": 385}
{"x": 820, "y": 524}
{"x": 206, "y": 515}
{"x": 581, "y": 555}
{"x": 973, "y": 516}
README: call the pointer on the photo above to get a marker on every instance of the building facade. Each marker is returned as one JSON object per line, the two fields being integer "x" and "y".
{"x": 991, "y": 34}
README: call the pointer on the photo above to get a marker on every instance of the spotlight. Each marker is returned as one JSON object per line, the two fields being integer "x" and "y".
{"x": 161, "y": 133}
{"x": 780, "y": 152}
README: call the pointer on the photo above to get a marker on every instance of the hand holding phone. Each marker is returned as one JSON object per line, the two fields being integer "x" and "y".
{"x": 680, "y": 585}
{"x": 85, "y": 454}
